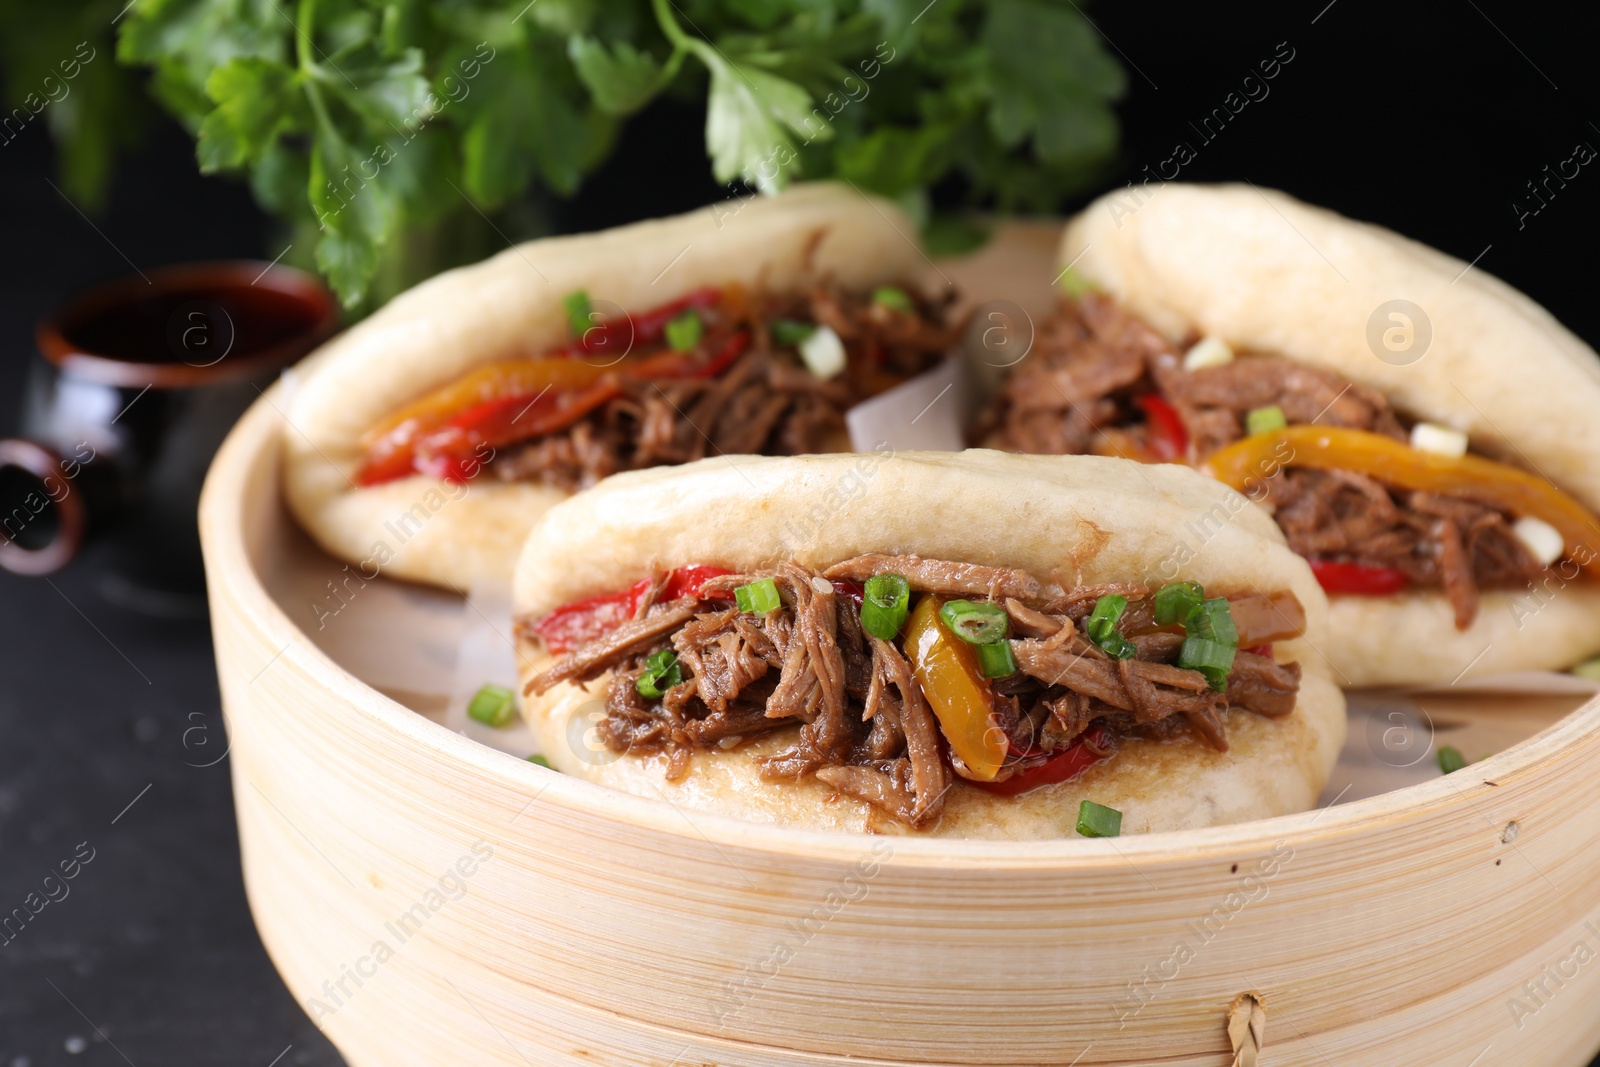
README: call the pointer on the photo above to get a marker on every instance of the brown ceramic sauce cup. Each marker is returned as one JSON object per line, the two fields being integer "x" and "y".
{"x": 139, "y": 381}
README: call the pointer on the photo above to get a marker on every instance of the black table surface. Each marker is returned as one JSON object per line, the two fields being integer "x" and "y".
{"x": 1429, "y": 120}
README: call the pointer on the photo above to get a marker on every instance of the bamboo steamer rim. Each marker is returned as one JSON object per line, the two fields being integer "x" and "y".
{"x": 222, "y": 507}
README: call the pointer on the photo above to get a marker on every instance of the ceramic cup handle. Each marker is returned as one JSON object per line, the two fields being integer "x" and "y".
{"x": 42, "y": 514}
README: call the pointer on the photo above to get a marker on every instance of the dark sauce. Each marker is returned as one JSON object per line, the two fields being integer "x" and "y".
{"x": 174, "y": 327}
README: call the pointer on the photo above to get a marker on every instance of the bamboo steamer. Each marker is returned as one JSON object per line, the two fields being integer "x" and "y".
{"x": 532, "y": 918}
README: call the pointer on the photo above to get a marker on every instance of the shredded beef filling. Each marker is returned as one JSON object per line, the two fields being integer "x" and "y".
{"x": 864, "y": 725}
{"x": 766, "y": 403}
{"x": 1077, "y": 394}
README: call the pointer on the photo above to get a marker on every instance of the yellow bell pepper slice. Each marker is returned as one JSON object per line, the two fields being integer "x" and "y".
{"x": 947, "y": 670}
{"x": 1397, "y": 463}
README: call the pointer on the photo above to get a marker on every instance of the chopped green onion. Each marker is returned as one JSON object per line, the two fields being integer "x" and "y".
{"x": 1106, "y": 614}
{"x": 976, "y": 624}
{"x": 1097, "y": 820}
{"x": 1175, "y": 600}
{"x": 1117, "y": 646}
{"x": 683, "y": 332}
{"x": 758, "y": 597}
{"x": 1101, "y": 626}
{"x": 984, "y": 625}
{"x": 493, "y": 705}
{"x": 885, "y": 602}
{"x": 578, "y": 311}
{"x": 1450, "y": 759}
{"x": 1589, "y": 668}
{"x": 1264, "y": 420}
{"x": 1212, "y": 641}
{"x": 995, "y": 659}
{"x": 1074, "y": 284}
{"x": 890, "y": 296}
{"x": 1214, "y": 659}
{"x": 790, "y": 332}
{"x": 540, "y": 760}
{"x": 662, "y": 671}
{"x": 1212, "y": 619}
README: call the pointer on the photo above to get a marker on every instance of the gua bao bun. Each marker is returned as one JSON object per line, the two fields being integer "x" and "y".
{"x": 1375, "y": 362}
{"x": 1049, "y": 533}
{"x": 428, "y": 438}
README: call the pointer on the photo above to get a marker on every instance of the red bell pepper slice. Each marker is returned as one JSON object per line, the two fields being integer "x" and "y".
{"x": 1358, "y": 578}
{"x": 649, "y": 325}
{"x": 494, "y": 393}
{"x": 495, "y": 423}
{"x": 685, "y": 581}
{"x": 386, "y": 465}
{"x": 684, "y": 365}
{"x": 431, "y": 438}
{"x": 643, "y": 328}
{"x": 445, "y": 452}
{"x": 1168, "y": 440}
{"x": 1063, "y": 766}
{"x": 574, "y": 625}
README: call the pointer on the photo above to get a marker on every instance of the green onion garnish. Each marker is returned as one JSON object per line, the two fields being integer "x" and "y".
{"x": 661, "y": 672}
{"x": 976, "y": 624}
{"x": 1589, "y": 668}
{"x": 1074, "y": 284}
{"x": 578, "y": 312}
{"x": 758, "y": 597}
{"x": 1175, "y": 600}
{"x": 1450, "y": 759}
{"x": 1212, "y": 619}
{"x": 1211, "y": 658}
{"x": 540, "y": 760}
{"x": 1212, "y": 640}
{"x": 1097, "y": 820}
{"x": 1101, "y": 626}
{"x": 789, "y": 332}
{"x": 1264, "y": 420}
{"x": 683, "y": 332}
{"x": 493, "y": 705}
{"x": 885, "y": 602}
{"x": 891, "y": 297}
{"x": 995, "y": 659}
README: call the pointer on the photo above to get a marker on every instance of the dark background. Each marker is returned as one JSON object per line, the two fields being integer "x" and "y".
{"x": 1429, "y": 119}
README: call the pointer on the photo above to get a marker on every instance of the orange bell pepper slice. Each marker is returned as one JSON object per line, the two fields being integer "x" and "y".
{"x": 1397, "y": 463}
{"x": 947, "y": 671}
{"x": 389, "y": 449}
{"x": 505, "y": 377}
{"x": 513, "y": 400}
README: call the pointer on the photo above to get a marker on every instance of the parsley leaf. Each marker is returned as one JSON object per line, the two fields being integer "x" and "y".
{"x": 187, "y": 39}
{"x": 748, "y": 120}
{"x": 1051, "y": 80}
{"x": 893, "y": 160}
{"x": 522, "y": 125}
{"x": 255, "y": 103}
{"x": 387, "y": 93}
{"x": 357, "y": 216}
{"x": 622, "y": 79}
{"x": 392, "y": 125}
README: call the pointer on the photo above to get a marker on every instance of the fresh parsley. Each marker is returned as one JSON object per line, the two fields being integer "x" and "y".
{"x": 377, "y": 126}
